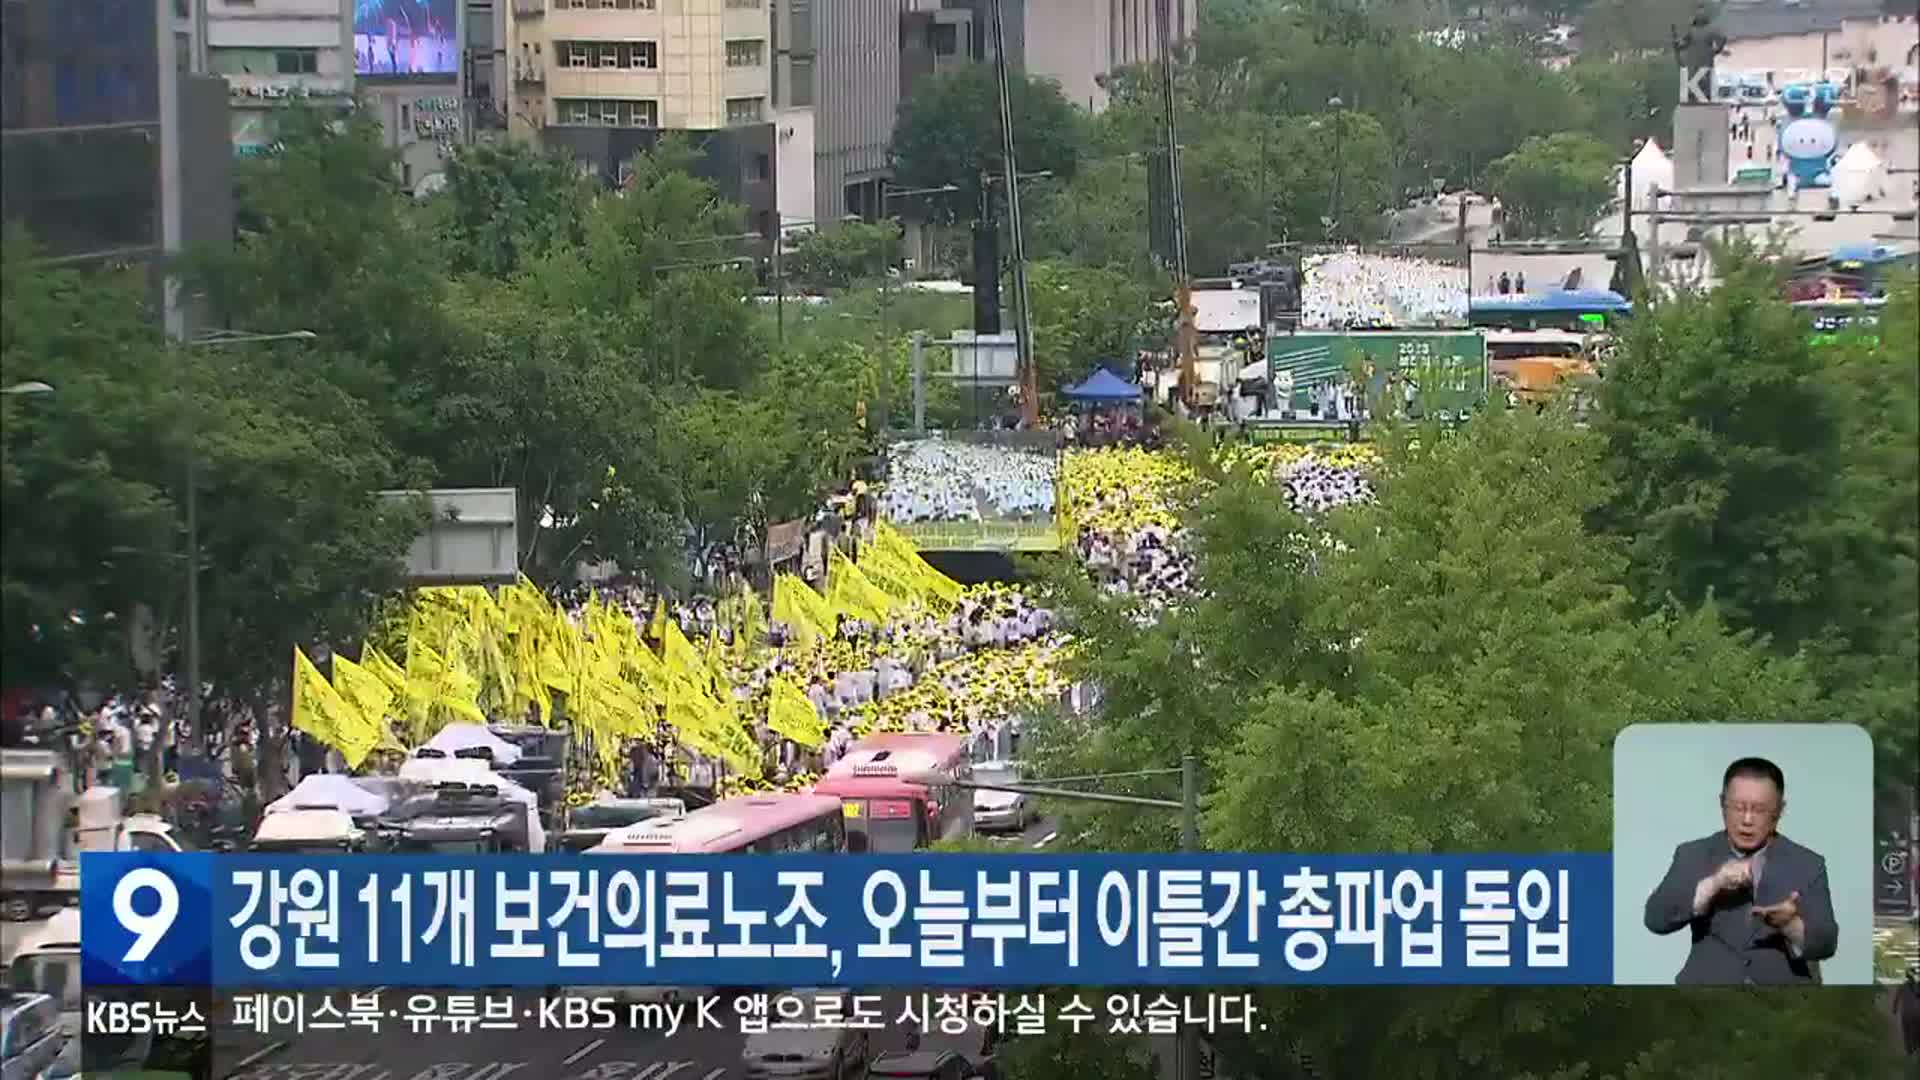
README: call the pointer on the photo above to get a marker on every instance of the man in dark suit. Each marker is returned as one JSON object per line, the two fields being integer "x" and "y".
{"x": 1756, "y": 902}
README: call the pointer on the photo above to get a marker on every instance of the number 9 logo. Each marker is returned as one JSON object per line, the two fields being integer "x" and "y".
{"x": 147, "y": 930}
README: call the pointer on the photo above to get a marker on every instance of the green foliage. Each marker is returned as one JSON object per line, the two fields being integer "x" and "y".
{"x": 293, "y": 539}
{"x": 1444, "y": 669}
{"x": 508, "y": 204}
{"x": 1778, "y": 478}
{"x": 1554, "y": 186}
{"x": 1085, "y": 317}
{"x": 948, "y": 132}
{"x": 838, "y": 258}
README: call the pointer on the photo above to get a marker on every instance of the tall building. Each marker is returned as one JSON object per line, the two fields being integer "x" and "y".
{"x": 114, "y": 151}
{"x": 270, "y": 51}
{"x": 81, "y": 122}
{"x": 1076, "y": 43}
{"x": 694, "y": 65}
{"x": 841, "y": 58}
{"x": 601, "y": 79}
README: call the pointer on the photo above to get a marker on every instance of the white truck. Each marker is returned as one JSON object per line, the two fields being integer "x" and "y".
{"x": 48, "y": 826}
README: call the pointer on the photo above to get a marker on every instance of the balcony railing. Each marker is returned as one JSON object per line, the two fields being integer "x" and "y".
{"x": 527, "y": 70}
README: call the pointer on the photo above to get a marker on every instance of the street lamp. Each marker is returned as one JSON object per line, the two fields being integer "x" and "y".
{"x": 212, "y": 339}
{"x": 34, "y": 388}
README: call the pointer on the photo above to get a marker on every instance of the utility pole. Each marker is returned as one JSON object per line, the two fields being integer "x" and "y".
{"x": 919, "y": 383}
{"x": 1187, "y": 337}
{"x": 1022, "y": 320}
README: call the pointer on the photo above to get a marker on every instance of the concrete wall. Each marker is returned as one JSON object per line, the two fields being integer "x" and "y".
{"x": 793, "y": 165}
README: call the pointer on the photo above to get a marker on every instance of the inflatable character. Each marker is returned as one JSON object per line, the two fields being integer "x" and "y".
{"x": 1808, "y": 140}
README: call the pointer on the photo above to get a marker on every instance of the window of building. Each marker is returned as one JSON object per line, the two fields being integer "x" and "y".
{"x": 480, "y": 26}
{"x": 296, "y": 61}
{"x": 945, "y": 39}
{"x": 800, "y": 83}
{"x": 744, "y": 5}
{"x": 746, "y": 53}
{"x": 627, "y": 55}
{"x": 746, "y": 110}
{"x": 760, "y": 168}
{"x": 609, "y": 112}
{"x": 406, "y": 119}
{"x": 617, "y": 5}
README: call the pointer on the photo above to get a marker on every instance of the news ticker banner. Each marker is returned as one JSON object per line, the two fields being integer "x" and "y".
{"x": 288, "y": 922}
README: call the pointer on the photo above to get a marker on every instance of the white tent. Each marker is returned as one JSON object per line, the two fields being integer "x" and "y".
{"x": 1860, "y": 175}
{"x": 1651, "y": 168}
{"x": 454, "y": 738}
{"x": 335, "y": 790}
{"x": 473, "y": 771}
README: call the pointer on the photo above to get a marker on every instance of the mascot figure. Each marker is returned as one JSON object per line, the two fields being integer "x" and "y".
{"x": 1807, "y": 139}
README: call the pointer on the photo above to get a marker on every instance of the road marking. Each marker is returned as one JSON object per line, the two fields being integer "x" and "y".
{"x": 259, "y": 1055}
{"x": 583, "y": 1051}
{"x": 1045, "y": 840}
{"x": 716, "y": 1074}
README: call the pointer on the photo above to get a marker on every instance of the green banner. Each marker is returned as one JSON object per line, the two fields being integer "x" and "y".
{"x": 1447, "y": 370}
{"x": 1305, "y": 433}
{"x": 982, "y": 535}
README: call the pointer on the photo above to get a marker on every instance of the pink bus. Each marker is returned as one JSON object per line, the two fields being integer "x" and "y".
{"x": 774, "y": 823}
{"x": 884, "y": 794}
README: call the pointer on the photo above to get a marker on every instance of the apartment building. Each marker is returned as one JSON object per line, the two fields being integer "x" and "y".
{"x": 695, "y": 65}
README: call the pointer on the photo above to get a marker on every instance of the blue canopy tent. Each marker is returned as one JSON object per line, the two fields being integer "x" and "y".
{"x": 1103, "y": 386}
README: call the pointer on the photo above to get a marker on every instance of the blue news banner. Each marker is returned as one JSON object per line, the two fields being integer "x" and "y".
{"x": 843, "y": 921}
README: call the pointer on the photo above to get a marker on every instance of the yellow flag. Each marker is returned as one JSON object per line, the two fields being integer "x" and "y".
{"x": 657, "y": 628}
{"x": 370, "y": 696}
{"x": 805, "y": 611}
{"x": 753, "y": 623}
{"x": 384, "y": 667}
{"x": 849, "y": 591}
{"x": 682, "y": 659}
{"x": 792, "y": 714}
{"x": 320, "y": 711}
{"x": 895, "y": 546}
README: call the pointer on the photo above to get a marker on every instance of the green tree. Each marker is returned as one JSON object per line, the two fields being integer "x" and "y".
{"x": 326, "y": 241}
{"x": 1554, "y": 186}
{"x": 509, "y": 203}
{"x": 1777, "y": 477}
{"x": 294, "y": 538}
{"x": 1083, "y": 318}
{"x": 1442, "y": 670}
{"x": 542, "y": 399}
{"x": 838, "y": 258}
{"x": 948, "y": 132}
{"x": 1725, "y": 447}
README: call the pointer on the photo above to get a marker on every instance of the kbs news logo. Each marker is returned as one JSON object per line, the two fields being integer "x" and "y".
{"x": 1726, "y": 86}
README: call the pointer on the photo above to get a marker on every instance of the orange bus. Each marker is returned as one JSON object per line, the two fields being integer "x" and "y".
{"x": 892, "y": 795}
{"x": 769, "y": 824}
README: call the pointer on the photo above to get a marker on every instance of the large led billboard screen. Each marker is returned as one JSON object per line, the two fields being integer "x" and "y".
{"x": 406, "y": 38}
